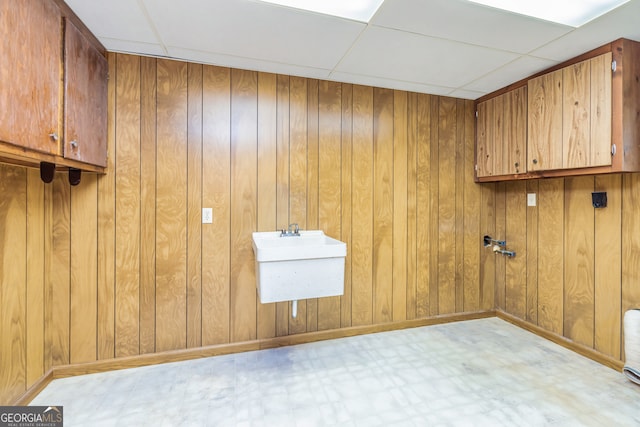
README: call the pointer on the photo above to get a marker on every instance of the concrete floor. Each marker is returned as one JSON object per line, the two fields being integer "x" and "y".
{"x": 476, "y": 373}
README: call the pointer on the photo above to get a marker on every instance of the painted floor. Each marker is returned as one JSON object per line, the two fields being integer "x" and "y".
{"x": 475, "y": 373}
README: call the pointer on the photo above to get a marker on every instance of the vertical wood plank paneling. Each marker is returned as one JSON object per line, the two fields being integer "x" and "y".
{"x": 600, "y": 100}
{"x": 486, "y": 140}
{"x": 347, "y": 207}
{"x": 487, "y": 258}
{"x": 13, "y": 282}
{"x": 544, "y": 122}
{"x": 244, "y": 115}
{"x": 312, "y": 184}
{"x": 630, "y": 242}
{"x": 298, "y": 176}
{"x": 399, "y": 205}
{"x": 516, "y": 237}
{"x": 382, "y": 205}
{"x": 127, "y": 244}
{"x": 147, "y": 205}
{"x": 446, "y": 206}
{"x": 424, "y": 214}
{"x": 106, "y": 227}
{"x": 579, "y": 261}
{"x": 282, "y": 182}
{"x": 471, "y": 219}
{"x": 329, "y": 169}
{"x": 35, "y": 293}
{"x": 500, "y": 233}
{"x": 194, "y": 205}
{"x": 607, "y": 275}
{"x": 362, "y": 207}
{"x": 459, "y": 144}
{"x": 266, "y": 315}
{"x": 412, "y": 206}
{"x": 576, "y": 115}
{"x": 498, "y": 134}
{"x": 434, "y": 210}
{"x": 58, "y": 282}
{"x": 84, "y": 267}
{"x": 532, "y": 255}
{"x": 171, "y": 206}
{"x": 216, "y": 193}
{"x": 551, "y": 258}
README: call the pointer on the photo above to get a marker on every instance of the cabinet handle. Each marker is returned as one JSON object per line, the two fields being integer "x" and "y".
{"x": 74, "y": 144}
{"x": 53, "y": 136}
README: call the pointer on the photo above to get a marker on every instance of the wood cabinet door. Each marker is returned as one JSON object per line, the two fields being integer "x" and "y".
{"x": 515, "y": 132}
{"x": 485, "y": 139}
{"x": 576, "y": 115}
{"x": 30, "y": 74}
{"x": 85, "y": 137}
{"x": 601, "y": 114}
{"x": 544, "y": 128}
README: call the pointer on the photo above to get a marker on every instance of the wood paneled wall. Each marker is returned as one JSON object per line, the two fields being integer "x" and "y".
{"x": 121, "y": 264}
{"x": 576, "y": 270}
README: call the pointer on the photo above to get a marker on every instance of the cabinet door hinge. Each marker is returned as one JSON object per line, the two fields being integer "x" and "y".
{"x": 476, "y": 114}
{"x": 613, "y": 66}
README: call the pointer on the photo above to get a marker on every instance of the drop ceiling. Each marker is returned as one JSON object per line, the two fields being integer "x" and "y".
{"x": 442, "y": 47}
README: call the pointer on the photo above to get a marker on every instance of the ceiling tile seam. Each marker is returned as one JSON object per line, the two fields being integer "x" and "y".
{"x": 146, "y": 14}
{"x": 348, "y": 51}
{"x": 449, "y": 88}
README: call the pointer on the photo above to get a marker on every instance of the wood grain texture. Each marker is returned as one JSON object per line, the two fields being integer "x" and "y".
{"x": 84, "y": 265}
{"x": 216, "y": 193}
{"x": 487, "y": 258}
{"x": 31, "y": 74}
{"x": 607, "y": 269}
{"x": 515, "y": 132}
{"x": 459, "y": 143}
{"x": 412, "y": 206}
{"x": 485, "y": 142}
{"x": 400, "y": 172}
{"x": 383, "y": 205}
{"x": 171, "y": 205}
{"x": 630, "y": 242}
{"x": 434, "y": 197}
{"x": 298, "y": 175}
{"x": 500, "y": 234}
{"x": 425, "y": 120}
{"x": 498, "y": 133}
{"x": 551, "y": 256}
{"x": 576, "y": 115}
{"x": 244, "y": 95}
{"x": 35, "y": 278}
{"x": 13, "y": 275}
{"x": 313, "y": 105}
{"x": 329, "y": 184}
{"x": 446, "y": 207}
{"x": 544, "y": 122}
{"x": 579, "y": 261}
{"x": 362, "y": 207}
{"x": 266, "y": 315}
{"x": 127, "y": 210}
{"x": 532, "y": 255}
{"x": 282, "y": 181}
{"x": 346, "y": 136}
{"x": 194, "y": 205}
{"x": 106, "y": 227}
{"x": 148, "y": 151}
{"x": 516, "y": 267}
{"x": 600, "y": 90}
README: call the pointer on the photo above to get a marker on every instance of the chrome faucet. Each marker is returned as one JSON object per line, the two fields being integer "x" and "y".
{"x": 293, "y": 230}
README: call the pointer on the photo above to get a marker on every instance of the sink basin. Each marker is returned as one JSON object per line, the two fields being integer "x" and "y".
{"x": 298, "y": 267}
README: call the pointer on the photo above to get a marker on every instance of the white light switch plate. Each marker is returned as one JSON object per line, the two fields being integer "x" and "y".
{"x": 207, "y": 215}
{"x": 531, "y": 199}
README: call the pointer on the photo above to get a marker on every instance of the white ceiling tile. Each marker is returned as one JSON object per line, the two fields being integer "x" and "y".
{"x": 466, "y": 94}
{"x": 621, "y": 22}
{"x": 247, "y": 63}
{"x": 254, "y": 30}
{"x": 388, "y": 83}
{"x": 115, "y": 19}
{"x": 468, "y": 22}
{"x": 126, "y": 46}
{"x": 397, "y": 55}
{"x": 519, "y": 69}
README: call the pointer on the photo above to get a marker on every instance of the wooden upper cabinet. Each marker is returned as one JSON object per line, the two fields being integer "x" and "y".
{"x": 30, "y": 74}
{"x": 501, "y": 134}
{"x": 86, "y": 73}
{"x": 569, "y": 123}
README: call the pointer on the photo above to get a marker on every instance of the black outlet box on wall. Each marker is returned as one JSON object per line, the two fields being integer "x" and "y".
{"x": 599, "y": 199}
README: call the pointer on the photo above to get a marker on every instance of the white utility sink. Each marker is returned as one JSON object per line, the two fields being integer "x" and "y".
{"x": 290, "y": 268}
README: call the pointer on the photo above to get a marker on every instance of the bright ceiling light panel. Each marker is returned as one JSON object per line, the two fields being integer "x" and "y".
{"x": 567, "y": 12}
{"x": 357, "y": 10}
